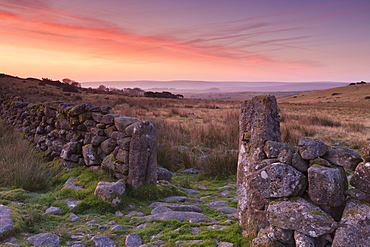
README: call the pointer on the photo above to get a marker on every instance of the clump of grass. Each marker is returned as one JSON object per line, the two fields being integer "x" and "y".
{"x": 19, "y": 167}
{"x": 220, "y": 164}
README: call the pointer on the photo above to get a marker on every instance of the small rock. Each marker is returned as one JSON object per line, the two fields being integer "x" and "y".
{"x": 133, "y": 240}
{"x": 174, "y": 215}
{"x": 139, "y": 227}
{"x": 163, "y": 174}
{"x": 158, "y": 210}
{"x": 225, "y": 193}
{"x": 71, "y": 202}
{"x": 118, "y": 213}
{"x": 158, "y": 243}
{"x": 191, "y": 171}
{"x": 74, "y": 218}
{"x": 218, "y": 204}
{"x": 53, "y": 210}
{"x": 132, "y": 213}
{"x": 228, "y": 187}
{"x": 111, "y": 192}
{"x": 103, "y": 241}
{"x": 6, "y": 222}
{"x": 43, "y": 239}
{"x": 117, "y": 228}
{"x": 175, "y": 199}
{"x": 71, "y": 183}
{"x": 311, "y": 149}
{"x": 112, "y": 223}
{"x": 226, "y": 210}
{"x": 191, "y": 191}
{"x": 195, "y": 230}
{"x": 217, "y": 227}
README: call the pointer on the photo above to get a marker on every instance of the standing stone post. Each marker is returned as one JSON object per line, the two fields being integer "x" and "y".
{"x": 259, "y": 122}
{"x": 143, "y": 155}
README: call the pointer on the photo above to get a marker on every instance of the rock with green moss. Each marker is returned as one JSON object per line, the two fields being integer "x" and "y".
{"x": 90, "y": 154}
{"x": 344, "y": 157}
{"x": 361, "y": 177}
{"x": 259, "y": 122}
{"x": 366, "y": 152}
{"x": 299, "y": 163}
{"x": 122, "y": 122}
{"x": 300, "y": 215}
{"x": 311, "y": 149}
{"x": 108, "y": 145}
{"x": 6, "y": 221}
{"x": 71, "y": 151}
{"x": 111, "y": 191}
{"x": 277, "y": 180}
{"x": 143, "y": 155}
{"x": 109, "y": 118}
{"x": 302, "y": 240}
{"x": 354, "y": 227}
{"x": 273, "y": 149}
{"x": 327, "y": 185}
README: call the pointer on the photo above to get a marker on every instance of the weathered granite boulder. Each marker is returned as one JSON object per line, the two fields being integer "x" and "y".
{"x": 122, "y": 122}
{"x": 311, "y": 149}
{"x": 366, "y": 152}
{"x": 44, "y": 239}
{"x": 361, "y": 177}
{"x": 108, "y": 118}
{"x": 300, "y": 215}
{"x": 273, "y": 148}
{"x": 103, "y": 240}
{"x": 327, "y": 185}
{"x": 163, "y": 174}
{"x": 71, "y": 151}
{"x": 173, "y": 215}
{"x": 302, "y": 240}
{"x": 354, "y": 227}
{"x": 90, "y": 154}
{"x": 277, "y": 180}
{"x": 358, "y": 194}
{"x": 143, "y": 155}
{"x": 6, "y": 221}
{"x": 299, "y": 163}
{"x": 286, "y": 156}
{"x": 108, "y": 145}
{"x": 343, "y": 157}
{"x": 259, "y": 122}
{"x": 111, "y": 192}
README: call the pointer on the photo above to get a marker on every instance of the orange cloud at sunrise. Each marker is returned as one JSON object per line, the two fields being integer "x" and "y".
{"x": 237, "y": 40}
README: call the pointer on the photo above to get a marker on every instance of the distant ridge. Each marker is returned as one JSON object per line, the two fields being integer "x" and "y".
{"x": 188, "y": 86}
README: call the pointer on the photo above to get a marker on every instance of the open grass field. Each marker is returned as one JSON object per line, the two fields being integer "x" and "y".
{"x": 191, "y": 133}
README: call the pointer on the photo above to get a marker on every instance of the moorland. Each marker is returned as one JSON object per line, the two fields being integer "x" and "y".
{"x": 192, "y": 133}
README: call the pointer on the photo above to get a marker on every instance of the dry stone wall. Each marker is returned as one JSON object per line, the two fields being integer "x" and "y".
{"x": 298, "y": 196}
{"x": 87, "y": 135}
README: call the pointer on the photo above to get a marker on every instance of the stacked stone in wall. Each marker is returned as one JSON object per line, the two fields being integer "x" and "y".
{"x": 298, "y": 196}
{"x": 87, "y": 135}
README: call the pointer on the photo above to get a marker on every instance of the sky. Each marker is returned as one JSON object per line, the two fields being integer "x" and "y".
{"x": 212, "y": 40}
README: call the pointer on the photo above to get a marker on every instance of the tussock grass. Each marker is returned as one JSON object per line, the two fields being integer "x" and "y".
{"x": 20, "y": 167}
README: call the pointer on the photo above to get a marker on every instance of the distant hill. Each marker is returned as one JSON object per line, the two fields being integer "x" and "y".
{"x": 349, "y": 93}
{"x": 188, "y": 86}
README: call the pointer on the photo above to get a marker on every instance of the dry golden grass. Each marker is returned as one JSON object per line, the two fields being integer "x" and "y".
{"x": 338, "y": 116}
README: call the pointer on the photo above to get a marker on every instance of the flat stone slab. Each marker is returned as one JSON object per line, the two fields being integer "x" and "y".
{"x": 191, "y": 191}
{"x": 43, "y": 239}
{"x": 103, "y": 240}
{"x": 174, "y": 215}
{"x": 175, "y": 199}
{"x": 218, "y": 204}
{"x": 177, "y": 207}
{"x": 226, "y": 210}
{"x": 6, "y": 222}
